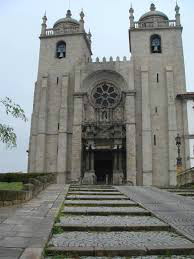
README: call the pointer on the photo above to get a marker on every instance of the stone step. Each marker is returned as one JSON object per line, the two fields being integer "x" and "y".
{"x": 93, "y": 190}
{"x": 108, "y": 228}
{"x": 96, "y": 203}
{"x": 96, "y": 197}
{"x": 190, "y": 194}
{"x": 93, "y": 193}
{"x": 105, "y": 211}
{"x": 92, "y": 186}
{"x": 132, "y": 257}
{"x": 123, "y": 243}
{"x": 110, "y": 220}
{"x": 180, "y": 190}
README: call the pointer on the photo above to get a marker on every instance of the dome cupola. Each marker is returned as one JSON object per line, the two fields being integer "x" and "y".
{"x": 153, "y": 14}
{"x": 68, "y": 21}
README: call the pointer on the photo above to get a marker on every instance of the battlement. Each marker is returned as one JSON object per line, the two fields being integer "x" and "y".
{"x": 110, "y": 60}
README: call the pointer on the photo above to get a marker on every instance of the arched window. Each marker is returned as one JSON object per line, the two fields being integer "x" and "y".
{"x": 155, "y": 44}
{"x": 61, "y": 49}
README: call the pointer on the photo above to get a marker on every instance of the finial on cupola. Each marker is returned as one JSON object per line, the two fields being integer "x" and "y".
{"x": 152, "y": 7}
{"x": 82, "y": 15}
{"x": 177, "y": 15}
{"x": 44, "y": 25}
{"x": 131, "y": 17}
{"x": 68, "y": 14}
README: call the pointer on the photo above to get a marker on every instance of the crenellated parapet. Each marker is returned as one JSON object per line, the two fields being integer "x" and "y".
{"x": 110, "y": 60}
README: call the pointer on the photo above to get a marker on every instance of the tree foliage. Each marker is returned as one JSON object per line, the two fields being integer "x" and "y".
{"x": 7, "y": 134}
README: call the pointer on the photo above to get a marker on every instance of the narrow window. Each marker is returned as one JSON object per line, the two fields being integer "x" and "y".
{"x": 157, "y": 78}
{"x": 155, "y": 44}
{"x": 58, "y": 126}
{"x": 156, "y": 109}
{"x": 154, "y": 140}
{"x": 61, "y": 50}
{"x": 57, "y": 80}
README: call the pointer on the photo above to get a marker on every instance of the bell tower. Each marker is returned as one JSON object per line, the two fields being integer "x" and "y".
{"x": 62, "y": 49}
{"x": 157, "y": 52}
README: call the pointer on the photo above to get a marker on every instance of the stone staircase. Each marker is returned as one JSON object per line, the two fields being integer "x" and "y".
{"x": 187, "y": 192}
{"x": 100, "y": 222}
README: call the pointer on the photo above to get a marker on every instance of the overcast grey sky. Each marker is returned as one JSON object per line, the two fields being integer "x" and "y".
{"x": 108, "y": 21}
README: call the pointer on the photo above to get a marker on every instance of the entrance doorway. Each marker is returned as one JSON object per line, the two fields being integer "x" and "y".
{"x": 103, "y": 166}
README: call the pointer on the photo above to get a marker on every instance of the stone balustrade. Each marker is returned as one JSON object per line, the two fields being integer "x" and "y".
{"x": 154, "y": 24}
{"x": 54, "y": 32}
{"x": 186, "y": 178}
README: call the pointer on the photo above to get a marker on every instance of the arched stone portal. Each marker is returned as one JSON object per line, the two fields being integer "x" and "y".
{"x": 104, "y": 135}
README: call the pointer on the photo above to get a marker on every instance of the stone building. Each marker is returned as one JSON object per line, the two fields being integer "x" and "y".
{"x": 110, "y": 121}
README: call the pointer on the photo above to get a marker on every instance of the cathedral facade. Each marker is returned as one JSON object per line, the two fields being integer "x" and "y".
{"x": 110, "y": 121}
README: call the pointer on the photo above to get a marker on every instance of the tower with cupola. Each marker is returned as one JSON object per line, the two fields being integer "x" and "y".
{"x": 62, "y": 48}
{"x": 157, "y": 52}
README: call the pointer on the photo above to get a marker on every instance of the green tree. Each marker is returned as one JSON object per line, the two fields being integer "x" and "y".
{"x": 7, "y": 134}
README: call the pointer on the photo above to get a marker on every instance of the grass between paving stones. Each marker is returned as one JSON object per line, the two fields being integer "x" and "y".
{"x": 15, "y": 186}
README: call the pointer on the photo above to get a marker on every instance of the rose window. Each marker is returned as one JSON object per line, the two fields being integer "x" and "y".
{"x": 105, "y": 95}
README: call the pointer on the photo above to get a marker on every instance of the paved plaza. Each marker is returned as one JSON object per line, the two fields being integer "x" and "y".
{"x": 25, "y": 229}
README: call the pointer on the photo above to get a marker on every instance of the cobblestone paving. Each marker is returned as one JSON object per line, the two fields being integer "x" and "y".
{"x": 116, "y": 239}
{"x": 111, "y": 220}
{"x": 175, "y": 210}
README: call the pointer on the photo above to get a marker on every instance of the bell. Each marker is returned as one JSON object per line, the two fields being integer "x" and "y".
{"x": 61, "y": 54}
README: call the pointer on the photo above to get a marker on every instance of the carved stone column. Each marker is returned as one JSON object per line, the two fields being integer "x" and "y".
{"x": 87, "y": 160}
{"x": 120, "y": 160}
{"x": 117, "y": 175}
{"x": 89, "y": 175}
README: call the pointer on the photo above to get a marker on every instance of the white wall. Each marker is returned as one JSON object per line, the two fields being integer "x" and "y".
{"x": 190, "y": 108}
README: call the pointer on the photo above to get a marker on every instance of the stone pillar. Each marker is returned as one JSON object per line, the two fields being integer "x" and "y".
{"x": 170, "y": 177}
{"x": 63, "y": 135}
{"x": 87, "y": 161}
{"x": 89, "y": 175}
{"x": 34, "y": 130}
{"x": 77, "y": 130}
{"x": 146, "y": 128}
{"x": 42, "y": 127}
{"x": 185, "y": 147}
{"x": 117, "y": 175}
{"x": 120, "y": 161}
{"x": 77, "y": 139}
{"x": 115, "y": 161}
{"x": 92, "y": 160}
{"x": 130, "y": 138}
